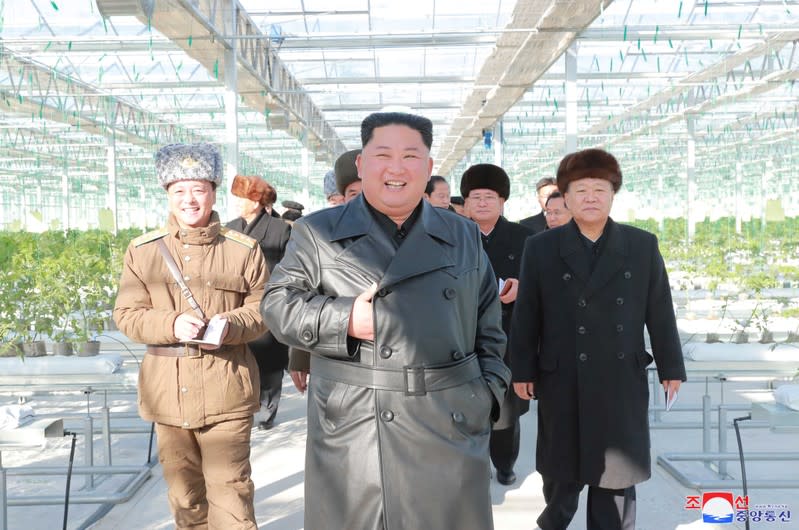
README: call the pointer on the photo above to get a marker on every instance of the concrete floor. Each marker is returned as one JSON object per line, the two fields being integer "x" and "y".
{"x": 278, "y": 455}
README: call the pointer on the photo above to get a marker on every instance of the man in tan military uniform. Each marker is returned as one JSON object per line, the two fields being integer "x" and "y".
{"x": 201, "y": 397}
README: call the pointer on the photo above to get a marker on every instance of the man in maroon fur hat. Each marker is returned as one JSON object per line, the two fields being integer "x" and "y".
{"x": 582, "y": 353}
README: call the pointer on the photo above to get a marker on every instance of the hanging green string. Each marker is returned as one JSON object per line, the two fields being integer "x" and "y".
{"x": 621, "y": 56}
{"x": 191, "y": 39}
{"x": 658, "y": 64}
{"x": 679, "y": 10}
{"x": 711, "y": 43}
{"x": 216, "y": 69}
{"x": 705, "y": 7}
{"x": 49, "y": 43}
{"x": 69, "y": 46}
{"x": 643, "y": 54}
{"x": 655, "y": 37}
{"x": 55, "y": 6}
{"x": 105, "y": 24}
{"x": 625, "y": 33}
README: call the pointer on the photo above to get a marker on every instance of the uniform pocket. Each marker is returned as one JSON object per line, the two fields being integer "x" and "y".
{"x": 228, "y": 282}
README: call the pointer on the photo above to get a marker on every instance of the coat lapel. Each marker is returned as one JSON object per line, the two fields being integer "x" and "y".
{"x": 258, "y": 230}
{"x": 572, "y": 252}
{"x": 610, "y": 261}
{"x": 369, "y": 252}
{"x": 427, "y": 248}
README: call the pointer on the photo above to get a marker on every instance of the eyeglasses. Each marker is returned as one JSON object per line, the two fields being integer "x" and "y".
{"x": 483, "y": 198}
{"x": 555, "y": 213}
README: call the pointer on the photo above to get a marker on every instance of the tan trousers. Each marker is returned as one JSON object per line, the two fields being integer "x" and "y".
{"x": 207, "y": 471}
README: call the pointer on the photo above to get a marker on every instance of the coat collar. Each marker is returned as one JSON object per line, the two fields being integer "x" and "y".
{"x": 427, "y": 246}
{"x": 612, "y": 258}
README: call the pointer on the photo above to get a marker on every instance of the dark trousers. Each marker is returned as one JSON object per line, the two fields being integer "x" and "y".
{"x": 271, "y": 387}
{"x": 607, "y": 509}
{"x": 504, "y": 447}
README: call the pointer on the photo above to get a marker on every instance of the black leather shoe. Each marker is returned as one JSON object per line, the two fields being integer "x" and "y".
{"x": 266, "y": 425}
{"x": 506, "y": 478}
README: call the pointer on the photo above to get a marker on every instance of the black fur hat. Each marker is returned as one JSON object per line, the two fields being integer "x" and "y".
{"x": 487, "y": 176}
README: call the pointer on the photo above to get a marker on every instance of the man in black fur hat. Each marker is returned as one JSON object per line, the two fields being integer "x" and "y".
{"x": 485, "y": 188}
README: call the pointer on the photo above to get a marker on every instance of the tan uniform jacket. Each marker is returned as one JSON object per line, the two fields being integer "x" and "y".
{"x": 226, "y": 274}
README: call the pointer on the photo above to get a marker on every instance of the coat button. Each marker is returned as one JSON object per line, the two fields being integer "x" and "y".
{"x": 619, "y": 301}
{"x": 187, "y": 278}
{"x": 619, "y": 328}
{"x": 386, "y": 415}
{"x": 187, "y": 258}
{"x": 620, "y": 355}
{"x": 583, "y": 357}
{"x": 185, "y": 424}
{"x": 385, "y": 352}
{"x": 307, "y": 335}
{"x": 186, "y": 245}
{"x": 567, "y": 277}
{"x": 184, "y": 389}
{"x": 458, "y": 355}
{"x": 457, "y": 417}
{"x": 449, "y": 293}
{"x": 581, "y": 330}
{"x": 183, "y": 232}
{"x": 627, "y": 275}
{"x": 511, "y": 257}
{"x": 581, "y": 302}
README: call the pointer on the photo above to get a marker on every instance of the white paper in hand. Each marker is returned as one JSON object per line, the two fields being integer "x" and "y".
{"x": 213, "y": 333}
{"x": 671, "y": 398}
{"x": 501, "y": 283}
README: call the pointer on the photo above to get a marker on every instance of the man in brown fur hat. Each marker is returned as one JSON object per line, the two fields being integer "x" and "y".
{"x": 583, "y": 356}
{"x": 255, "y": 198}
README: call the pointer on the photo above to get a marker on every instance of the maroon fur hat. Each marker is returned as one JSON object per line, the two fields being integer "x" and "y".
{"x": 253, "y": 188}
{"x": 485, "y": 176}
{"x": 588, "y": 163}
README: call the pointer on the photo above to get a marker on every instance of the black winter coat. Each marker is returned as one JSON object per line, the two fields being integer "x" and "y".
{"x": 504, "y": 247}
{"x": 272, "y": 234}
{"x": 580, "y": 338}
{"x": 536, "y": 223}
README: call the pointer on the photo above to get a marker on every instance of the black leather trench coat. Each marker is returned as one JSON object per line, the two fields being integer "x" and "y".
{"x": 579, "y": 337}
{"x": 388, "y": 459}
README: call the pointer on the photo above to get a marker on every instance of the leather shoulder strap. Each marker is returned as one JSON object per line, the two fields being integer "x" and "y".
{"x": 184, "y": 289}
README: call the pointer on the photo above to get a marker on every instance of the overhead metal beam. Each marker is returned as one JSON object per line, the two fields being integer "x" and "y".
{"x": 517, "y": 61}
{"x": 265, "y": 83}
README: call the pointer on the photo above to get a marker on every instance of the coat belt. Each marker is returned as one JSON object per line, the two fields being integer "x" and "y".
{"x": 412, "y": 380}
{"x": 181, "y": 350}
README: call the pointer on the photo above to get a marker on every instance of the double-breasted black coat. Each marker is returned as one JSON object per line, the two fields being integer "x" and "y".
{"x": 272, "y": 234}
{"x": 579, "y": 337}
{"x": 504, "y": 247}
{"x": 381, "y": 459}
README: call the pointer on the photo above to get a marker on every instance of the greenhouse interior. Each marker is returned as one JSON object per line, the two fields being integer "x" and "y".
{"x": 696, "y": 99}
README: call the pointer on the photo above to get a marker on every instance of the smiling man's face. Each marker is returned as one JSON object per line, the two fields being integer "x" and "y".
{"x": 191, "y": 202}
{"x": 394, "y": 166}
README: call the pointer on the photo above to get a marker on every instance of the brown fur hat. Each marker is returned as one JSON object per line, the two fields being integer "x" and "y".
{"x": 485, "y": 176}
{"x": 254, "y": 188}
{"x": 589, "y": 163}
